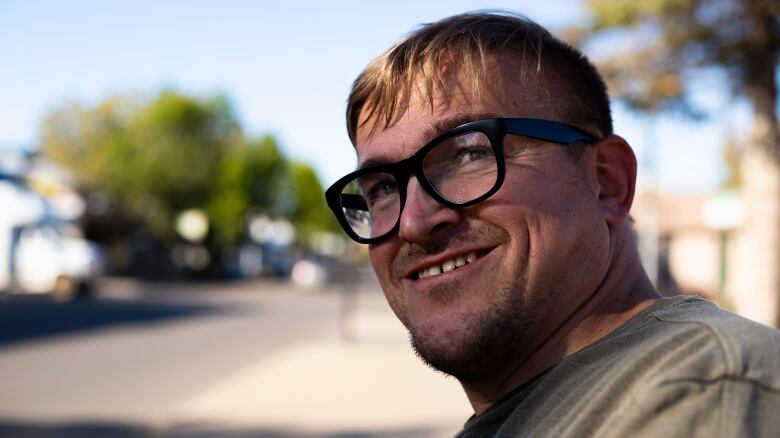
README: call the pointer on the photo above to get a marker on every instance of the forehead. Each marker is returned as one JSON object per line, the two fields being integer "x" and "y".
{"x": 508, "y": 91}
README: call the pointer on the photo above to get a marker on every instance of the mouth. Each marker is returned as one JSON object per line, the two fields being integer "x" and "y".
{"x": 448, "y": 265}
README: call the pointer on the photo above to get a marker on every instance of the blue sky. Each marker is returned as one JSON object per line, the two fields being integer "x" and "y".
{"x": 286, "y": 66}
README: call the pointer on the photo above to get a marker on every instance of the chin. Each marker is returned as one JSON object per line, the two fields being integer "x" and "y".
{"x": 477, "y": 345}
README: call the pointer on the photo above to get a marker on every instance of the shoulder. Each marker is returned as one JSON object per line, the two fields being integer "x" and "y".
{"x": 706, "y": 343}
{"x": 681, "y": 368}
{"x": 713, "y": 373}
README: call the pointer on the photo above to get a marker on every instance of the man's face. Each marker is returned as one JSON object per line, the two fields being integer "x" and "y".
{"x": 533, "y": 252}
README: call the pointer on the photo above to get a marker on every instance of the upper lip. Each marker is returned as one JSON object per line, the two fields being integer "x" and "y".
{"x": 414, "y": 268}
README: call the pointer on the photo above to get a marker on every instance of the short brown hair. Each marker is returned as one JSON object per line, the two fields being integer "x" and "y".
{"x": 384, "y": 87}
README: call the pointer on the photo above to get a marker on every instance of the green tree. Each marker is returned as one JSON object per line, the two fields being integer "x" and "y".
{"x": 251, "y": 177}
{"x": 155, "y": 160}
{"x": 311, "y": 214}
{"x": 674, "y": 41}
{"x": 83, "y": 139}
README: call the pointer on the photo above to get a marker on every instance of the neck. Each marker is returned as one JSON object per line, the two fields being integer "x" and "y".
{"x": 624, "y": 292}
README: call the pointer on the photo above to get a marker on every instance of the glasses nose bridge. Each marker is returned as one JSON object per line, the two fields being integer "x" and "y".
{"x": 414, "y": 168}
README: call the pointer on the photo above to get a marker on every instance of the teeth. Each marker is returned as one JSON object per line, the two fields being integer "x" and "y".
{"x": 447, "y": 266}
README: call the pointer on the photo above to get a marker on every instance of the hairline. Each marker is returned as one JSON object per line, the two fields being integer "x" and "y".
{"x": 424, "y": 61}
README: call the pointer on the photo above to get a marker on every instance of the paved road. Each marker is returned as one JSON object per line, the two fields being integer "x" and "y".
{"x": 243, "y": 359}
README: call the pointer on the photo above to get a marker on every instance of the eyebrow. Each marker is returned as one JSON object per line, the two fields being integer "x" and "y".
{"x": 436, "y": 129}
{"x": 440, "y": 127}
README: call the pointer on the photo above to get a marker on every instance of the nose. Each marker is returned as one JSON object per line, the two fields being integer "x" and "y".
{"x": 422, "y": 215}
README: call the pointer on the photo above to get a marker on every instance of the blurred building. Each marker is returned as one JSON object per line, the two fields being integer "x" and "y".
{"x": 52, "y": 182}
{"x": 696, "y": 246}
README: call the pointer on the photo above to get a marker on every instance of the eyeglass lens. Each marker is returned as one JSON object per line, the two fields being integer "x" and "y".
{"x": 461, "y": 168}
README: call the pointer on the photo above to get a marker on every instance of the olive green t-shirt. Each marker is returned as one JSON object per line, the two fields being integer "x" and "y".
{"x": 680, "y": 368}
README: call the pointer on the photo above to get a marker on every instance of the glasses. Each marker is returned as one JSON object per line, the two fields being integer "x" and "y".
{"x": 460, "y": 168}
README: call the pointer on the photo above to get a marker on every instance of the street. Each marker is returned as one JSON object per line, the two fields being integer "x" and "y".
{"x": 242, "y": 359}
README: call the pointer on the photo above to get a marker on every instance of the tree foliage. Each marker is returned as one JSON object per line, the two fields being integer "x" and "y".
{"x": 157, "y": 159}
{"x": 248, "y": 178}
{"x": 675, "y": 38}
{"x": 310, "y": 214}
{"x": 672, "y": 41}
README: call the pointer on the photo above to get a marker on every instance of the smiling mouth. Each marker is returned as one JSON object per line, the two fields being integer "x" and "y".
{"x": 447, "y": 266}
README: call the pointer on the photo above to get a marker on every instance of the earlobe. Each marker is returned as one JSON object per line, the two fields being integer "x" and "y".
{"x": 616, "y": 176}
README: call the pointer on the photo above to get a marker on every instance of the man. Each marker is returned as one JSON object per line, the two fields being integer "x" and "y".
{"x": 494, "y": 197}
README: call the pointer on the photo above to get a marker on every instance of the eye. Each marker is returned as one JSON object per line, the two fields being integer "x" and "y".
{"x": 380, "y": 189}
{"x": 473, "y": 153}
{"x": 387, "y": 187}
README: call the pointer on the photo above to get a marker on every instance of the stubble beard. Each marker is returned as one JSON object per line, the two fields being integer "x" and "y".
{"x": 489, "y": 341}
{"x": 489, "y": 338}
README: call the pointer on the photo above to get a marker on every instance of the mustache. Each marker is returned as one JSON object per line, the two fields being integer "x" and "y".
{"x": 485, "y": 235}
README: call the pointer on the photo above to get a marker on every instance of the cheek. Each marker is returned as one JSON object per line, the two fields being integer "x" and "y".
{"x": 548, "y": 216}
{"x": 381, "y": 256}
{"x": 559, "y": 209}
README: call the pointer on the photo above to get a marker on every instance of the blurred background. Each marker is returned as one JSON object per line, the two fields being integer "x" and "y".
{"x": 168, "y": 266}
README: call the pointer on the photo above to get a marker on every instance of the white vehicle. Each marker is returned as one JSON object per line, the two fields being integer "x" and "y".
{"x": 40, "y": 253}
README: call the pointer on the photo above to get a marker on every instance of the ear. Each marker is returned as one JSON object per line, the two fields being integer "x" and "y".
{"x": 616, "y": 177}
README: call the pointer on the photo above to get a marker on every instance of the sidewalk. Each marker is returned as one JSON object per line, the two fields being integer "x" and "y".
{"x": 369, "y": 385}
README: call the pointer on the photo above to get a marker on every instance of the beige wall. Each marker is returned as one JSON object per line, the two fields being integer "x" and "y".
{"x": 694, "y": 261}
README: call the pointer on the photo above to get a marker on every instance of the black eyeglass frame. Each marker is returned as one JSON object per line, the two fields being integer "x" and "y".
{"x": 494, "y": 129}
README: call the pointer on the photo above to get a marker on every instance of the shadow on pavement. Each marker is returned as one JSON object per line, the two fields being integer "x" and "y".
{"x": 9, "y": 429}
{"x": 32, "y": 318}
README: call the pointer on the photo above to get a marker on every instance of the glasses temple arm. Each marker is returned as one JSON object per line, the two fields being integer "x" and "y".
{"x": 354, "y": 202}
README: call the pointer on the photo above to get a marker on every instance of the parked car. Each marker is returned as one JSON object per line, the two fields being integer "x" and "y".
{"x": 39, "y": 253}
